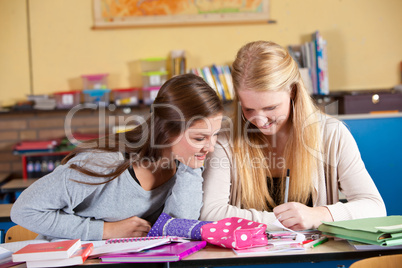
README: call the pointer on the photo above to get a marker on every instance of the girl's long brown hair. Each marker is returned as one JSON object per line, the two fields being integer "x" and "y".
{"x": 180, "y": 100}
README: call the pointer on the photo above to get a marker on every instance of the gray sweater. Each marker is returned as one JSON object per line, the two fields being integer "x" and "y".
{"x": 55, "y": 206}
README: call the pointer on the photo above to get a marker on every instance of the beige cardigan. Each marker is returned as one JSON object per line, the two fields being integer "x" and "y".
{"x": 340, "y": 168}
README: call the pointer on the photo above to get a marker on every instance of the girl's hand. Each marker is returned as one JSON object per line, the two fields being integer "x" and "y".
{"x": 297, "y": 216}
{"x": 130, "y": 227}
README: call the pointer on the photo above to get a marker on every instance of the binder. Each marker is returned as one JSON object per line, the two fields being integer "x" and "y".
{"x": 384, "y": 231}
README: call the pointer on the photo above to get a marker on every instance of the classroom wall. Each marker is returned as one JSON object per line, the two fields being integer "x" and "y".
{"x": 364, "y": 43}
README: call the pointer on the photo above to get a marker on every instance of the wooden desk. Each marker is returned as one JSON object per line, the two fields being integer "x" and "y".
{"x": 4, "y": 176}
{"x": 16, "y": 185}
{"x": 211, "y": 256}
{"x": 330, "y": 251}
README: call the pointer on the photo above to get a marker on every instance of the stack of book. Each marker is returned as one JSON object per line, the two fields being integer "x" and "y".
{"x": 312, "y": 57}
{"x": 5, "y": 257}
{"x": 36, "y": 146}
{"x": 382, "y": 231}
{"x": 53, "y": 254}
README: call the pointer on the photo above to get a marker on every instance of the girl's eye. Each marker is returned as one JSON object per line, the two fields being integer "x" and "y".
{"x": 200, "y": 139}
{"x": 270, "y": 108}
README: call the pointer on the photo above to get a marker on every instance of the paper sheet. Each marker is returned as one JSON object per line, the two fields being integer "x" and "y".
{"x": 299, "y": 237}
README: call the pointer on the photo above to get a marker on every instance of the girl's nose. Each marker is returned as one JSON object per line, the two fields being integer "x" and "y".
{"x": 209, "y": 147}
{"x": 260, "y": 121}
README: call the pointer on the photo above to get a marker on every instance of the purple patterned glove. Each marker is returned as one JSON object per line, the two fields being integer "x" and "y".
{"x": 167, "y": 225}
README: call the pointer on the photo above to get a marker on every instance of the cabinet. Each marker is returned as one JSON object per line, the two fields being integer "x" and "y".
{"x": 370, "y": 102}
{"x": 379, "y": 140}
{"x": 360, "y": 102}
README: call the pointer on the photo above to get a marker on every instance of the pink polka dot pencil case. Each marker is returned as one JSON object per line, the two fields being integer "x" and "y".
{"x": 235, "y": 233}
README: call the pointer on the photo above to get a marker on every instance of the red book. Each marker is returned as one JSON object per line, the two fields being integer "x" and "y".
{"x": 39, "y": 144}
{"x": 47, "y": 251}
{"x": 77, "y": 258}
{"x": 166, "y": 253}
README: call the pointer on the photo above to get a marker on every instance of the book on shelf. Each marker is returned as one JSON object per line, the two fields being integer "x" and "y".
{"x": 178, "y": 62}
{"x": 228, "y": 78}
{"x": 218, "y": 82}
{"x": 36, "y": 146}
{"x": 219, "y": 78}
{"x": 306, "y": 77}
{"x": 313, "y": 66}
{"x": 382, "y": 231}
{"x": 133, "y": 244}
{"x": 321, "y": 63}
{"x": 225, "y": 85}
{"x": 313, "y": 56}
{"x": 165, "y": 253}
{"x": 47, "y": 251}
{"x": 207, "y": 75}
{"x": 296, "y": 52}
{"x": 78, "y": 257}
{"x": 195, "y": 71}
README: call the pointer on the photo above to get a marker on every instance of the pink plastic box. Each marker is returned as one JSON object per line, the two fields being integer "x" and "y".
{"x": 95, "y": 81}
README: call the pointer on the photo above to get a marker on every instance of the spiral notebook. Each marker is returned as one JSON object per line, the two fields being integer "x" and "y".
{"x": 133, "y": 244}
{"x": 165, "y": 253}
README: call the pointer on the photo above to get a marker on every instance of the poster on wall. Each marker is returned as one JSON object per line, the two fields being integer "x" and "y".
{"x": 145, "y": 13}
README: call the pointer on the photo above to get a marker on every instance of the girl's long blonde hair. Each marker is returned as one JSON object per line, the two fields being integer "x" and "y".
{"x": 261, "y": 66}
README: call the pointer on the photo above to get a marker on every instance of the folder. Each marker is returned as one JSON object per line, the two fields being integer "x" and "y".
{"x": 384, "y": 231}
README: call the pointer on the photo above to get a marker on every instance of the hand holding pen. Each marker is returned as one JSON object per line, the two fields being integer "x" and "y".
{"x": 298, "y": 216}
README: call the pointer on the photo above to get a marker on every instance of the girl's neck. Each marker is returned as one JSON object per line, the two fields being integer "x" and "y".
{"x": 162, "y": 166}
{"x": 153, "y": 174}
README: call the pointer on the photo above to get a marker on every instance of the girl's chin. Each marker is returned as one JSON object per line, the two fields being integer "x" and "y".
{"x": 197, "y": 163}
{"x": 269, "y": 131}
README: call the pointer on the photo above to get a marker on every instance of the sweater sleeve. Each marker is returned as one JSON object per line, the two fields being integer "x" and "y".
{"x": 355, "y": 182}
{"x": 219, "y": 202}
{"x": 185, "y": 199}
{"x": 48, "y": 206}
